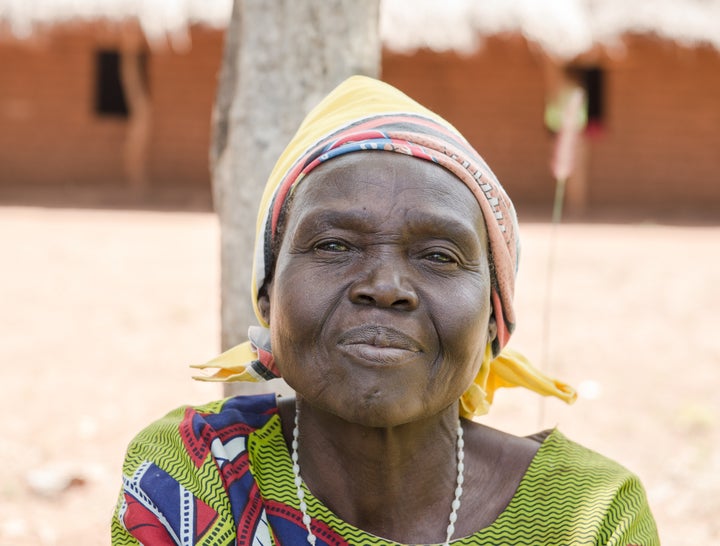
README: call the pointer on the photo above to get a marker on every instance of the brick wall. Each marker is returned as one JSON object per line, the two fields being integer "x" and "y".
{"x": 48, "y": 133}
{"x": 658, "y": 147}
{"x": 183, "y": 92}
{"x": 51, "y": 135}
{"x": 659, "y": 144}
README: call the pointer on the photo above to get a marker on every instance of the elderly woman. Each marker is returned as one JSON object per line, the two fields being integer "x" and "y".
{"x": 383, "y": 277}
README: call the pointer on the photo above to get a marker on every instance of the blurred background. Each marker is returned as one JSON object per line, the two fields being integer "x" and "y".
{"x": 110, "y": 246}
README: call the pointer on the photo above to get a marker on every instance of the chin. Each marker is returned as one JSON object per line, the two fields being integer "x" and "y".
{"x": 380, "y": 413}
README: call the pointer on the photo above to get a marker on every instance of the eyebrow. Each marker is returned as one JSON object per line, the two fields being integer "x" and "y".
{"x": 332, "y": 218}
{"x": 460, "y": 230}
{"x": 439, "y": 226}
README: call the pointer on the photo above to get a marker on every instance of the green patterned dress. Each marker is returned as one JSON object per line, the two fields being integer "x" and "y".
{"x": 221, "y": 474}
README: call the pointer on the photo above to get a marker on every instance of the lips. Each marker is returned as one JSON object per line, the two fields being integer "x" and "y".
{"x": 379, "y": 344}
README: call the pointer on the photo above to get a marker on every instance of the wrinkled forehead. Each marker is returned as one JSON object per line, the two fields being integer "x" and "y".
{"x": 376, "y": 184}
{"x": 387, "y": 172}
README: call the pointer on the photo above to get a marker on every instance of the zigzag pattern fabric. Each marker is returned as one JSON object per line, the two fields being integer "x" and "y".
{"x": 221, "y": 474}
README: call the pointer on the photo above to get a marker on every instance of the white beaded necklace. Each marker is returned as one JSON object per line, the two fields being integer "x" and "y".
{"x": 460, "y": 446}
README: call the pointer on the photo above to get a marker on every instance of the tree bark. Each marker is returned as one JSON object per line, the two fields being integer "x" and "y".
{"x": 280, "y": 59}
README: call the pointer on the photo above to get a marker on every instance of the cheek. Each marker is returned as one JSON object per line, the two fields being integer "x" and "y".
{"x": 463, "y": 331}
{"x": 299, "y": 309}
{"x": 300, "y": 300}
{"x": 464, "y": 342}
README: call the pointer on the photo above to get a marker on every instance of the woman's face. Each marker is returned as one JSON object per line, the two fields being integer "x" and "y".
{"x": 379, "y": 307}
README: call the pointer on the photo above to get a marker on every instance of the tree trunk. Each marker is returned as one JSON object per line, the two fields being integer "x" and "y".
{"x": 280, "y": 59}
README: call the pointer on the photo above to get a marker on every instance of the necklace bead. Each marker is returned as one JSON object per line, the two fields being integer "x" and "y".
{"x": 307, "y": 520}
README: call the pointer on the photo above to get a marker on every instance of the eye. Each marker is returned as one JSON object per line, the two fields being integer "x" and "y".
{"x": 332, "y": 246}
{"x": 440, "y": 257}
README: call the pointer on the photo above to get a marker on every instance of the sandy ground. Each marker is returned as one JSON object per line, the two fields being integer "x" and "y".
{"x": 101, "y": 311}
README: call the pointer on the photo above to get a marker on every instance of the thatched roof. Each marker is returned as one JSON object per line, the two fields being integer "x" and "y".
{"x": 563, "y": 28}
{"x": 157, "y": 18}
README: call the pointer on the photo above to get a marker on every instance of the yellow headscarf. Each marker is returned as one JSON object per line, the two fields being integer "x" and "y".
{"x": 365, "y": 114}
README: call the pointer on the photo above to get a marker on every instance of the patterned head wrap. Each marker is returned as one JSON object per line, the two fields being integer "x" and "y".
{"x": 364, "y": 114}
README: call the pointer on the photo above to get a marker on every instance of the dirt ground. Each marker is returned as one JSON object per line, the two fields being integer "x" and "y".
{"x": 102, "y": 310}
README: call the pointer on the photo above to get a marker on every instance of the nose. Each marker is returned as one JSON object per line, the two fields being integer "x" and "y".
{"x": 384, "y": 284}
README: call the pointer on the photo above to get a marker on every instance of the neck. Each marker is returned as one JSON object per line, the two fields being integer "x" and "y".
{"x": 396, "y": 482}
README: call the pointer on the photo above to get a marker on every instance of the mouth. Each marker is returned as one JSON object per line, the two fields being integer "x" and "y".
{"x": 379, "y": 344}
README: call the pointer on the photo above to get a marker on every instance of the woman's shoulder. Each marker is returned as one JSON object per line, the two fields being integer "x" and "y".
{"x": 550, "y": 452}
{"x": 188, "y": 472}
{"x": 193, "y": 429}
{"x": 248, "y": 411}
{"x": 566, "y": 471}
{"x": 607, "y": 499}
{"x": 564, "y": 490}
{"x": 561, "y": 456}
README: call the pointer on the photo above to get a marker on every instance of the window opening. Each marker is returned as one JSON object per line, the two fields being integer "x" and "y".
{"x": 592, "y": 81}
{"x": 110, "y": 97}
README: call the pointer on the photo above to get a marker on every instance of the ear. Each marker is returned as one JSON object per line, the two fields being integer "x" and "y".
{"x": 264, "y": 303}
{"x": 492, "y": 329}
